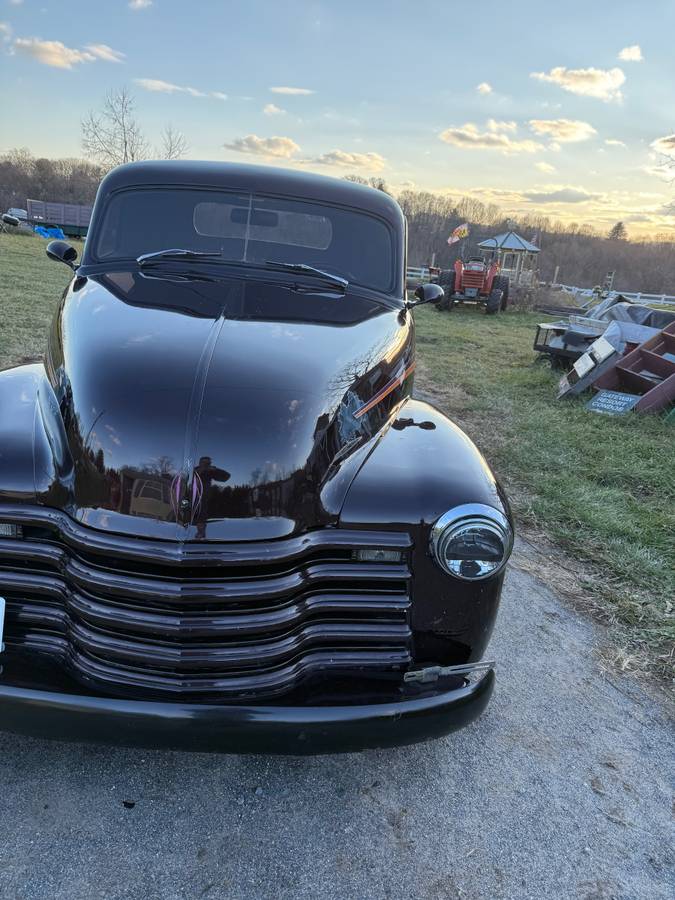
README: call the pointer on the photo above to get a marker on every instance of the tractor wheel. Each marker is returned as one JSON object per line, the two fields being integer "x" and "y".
{"x": 494, "y": 303}
{"x": 447, "y": 282}
{"x": 501, "y": 283}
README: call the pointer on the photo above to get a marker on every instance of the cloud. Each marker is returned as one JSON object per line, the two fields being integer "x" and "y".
{"x": 104, "y": 52}
{"x": 560, "y": 195}
{"x": 278, "y": 147}
{"x": 545, "y": 167}
{"x": 5, "y": 31}
{"x": 667, "y": 210}
{"x": 270, "y": 109}
{"x": 564, "y": 131}
{"x": 663, "y": 171}
{"x": 603, "y": 84}
{"x": 57, "y": 55}
{"x": 166, "y": 87}
{"x": 468, "y": 137}
{"x": 295, "y": 91}
{"x": 631, "y": 54}
{"x": 346, "y": 160}
{"x": 613, "y": 142}
{"x": 494, "y": 125}
{"x": 664, "y": 145}
{"x": 157, "y": 86}
{"x": 139, "y": 4}
{"x": 484, "y": 87}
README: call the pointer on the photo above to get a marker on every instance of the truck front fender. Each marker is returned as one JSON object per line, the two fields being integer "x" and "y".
{"x": 423, "y": 466}
{"x": 35, "y": 463}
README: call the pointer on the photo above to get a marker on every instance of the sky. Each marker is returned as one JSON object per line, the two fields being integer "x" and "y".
{"x": 562, "y": 109}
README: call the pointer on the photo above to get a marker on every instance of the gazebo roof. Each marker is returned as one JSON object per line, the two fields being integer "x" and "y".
{"x": 510, "y": 241}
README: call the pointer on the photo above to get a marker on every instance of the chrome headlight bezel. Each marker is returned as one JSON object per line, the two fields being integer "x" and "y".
{"x": 451, "y": 524}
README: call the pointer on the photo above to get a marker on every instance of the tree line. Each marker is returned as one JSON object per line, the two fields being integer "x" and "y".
{"x": 24, "y": 176}
{"x": 580, "y": 255}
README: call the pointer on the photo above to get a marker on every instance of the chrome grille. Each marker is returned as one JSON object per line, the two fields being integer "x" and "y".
{"x": 210, "y": 620}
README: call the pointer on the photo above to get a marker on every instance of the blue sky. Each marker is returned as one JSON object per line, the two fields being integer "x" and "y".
{"x": 531, "y": 105}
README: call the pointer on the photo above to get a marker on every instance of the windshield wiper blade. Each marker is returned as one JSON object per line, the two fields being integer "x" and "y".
{"x": 177, "y": 253}
{"x": 304, "y": 269}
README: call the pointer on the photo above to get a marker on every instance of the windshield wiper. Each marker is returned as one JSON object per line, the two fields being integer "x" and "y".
{"x": 177, "y": 253}
{"x": 303, "y": 269}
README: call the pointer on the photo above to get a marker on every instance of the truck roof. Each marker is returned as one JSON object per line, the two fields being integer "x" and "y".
{"x": 257, "y": 179}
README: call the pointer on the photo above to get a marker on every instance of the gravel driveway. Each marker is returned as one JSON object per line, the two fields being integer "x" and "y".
{"x": 564, "y": 788}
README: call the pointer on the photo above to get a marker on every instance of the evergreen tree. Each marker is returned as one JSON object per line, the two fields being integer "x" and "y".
{"x": 618, "y": 233}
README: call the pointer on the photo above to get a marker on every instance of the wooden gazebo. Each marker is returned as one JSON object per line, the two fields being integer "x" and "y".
{"x": 517, "y": 257}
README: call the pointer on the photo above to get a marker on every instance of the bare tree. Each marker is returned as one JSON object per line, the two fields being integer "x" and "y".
{"x": 113, "y": 136}
{"x": 174, "y": 144}
{"x": 375, "y": 181}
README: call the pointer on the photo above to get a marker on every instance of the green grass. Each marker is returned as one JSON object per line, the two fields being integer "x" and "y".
{"x": 30, "y": 287}
{"x": 602, "y": 489}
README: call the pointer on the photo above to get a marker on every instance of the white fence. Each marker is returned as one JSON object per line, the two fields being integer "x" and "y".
{"x": 636, "y": 297}
{"x": 415, "y": 274}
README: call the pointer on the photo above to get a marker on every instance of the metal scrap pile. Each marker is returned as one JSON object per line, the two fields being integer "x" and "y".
{"x": 624, "y": 350}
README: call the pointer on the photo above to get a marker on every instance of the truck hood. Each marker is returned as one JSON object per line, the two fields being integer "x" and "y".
{"x": 218, "y": 410}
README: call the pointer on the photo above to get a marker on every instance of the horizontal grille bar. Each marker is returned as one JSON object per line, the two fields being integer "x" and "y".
{"x": 199, "y": 553}
{"x": 132, "y": 589}
{"x": 262, "y": 653}
{"x": 270, "y": 683}
{"x": 210, "y": 626}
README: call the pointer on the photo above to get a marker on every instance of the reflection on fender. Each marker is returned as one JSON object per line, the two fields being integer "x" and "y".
{"x": 395, "y": 382}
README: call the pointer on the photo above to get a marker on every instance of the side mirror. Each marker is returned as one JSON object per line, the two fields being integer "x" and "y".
{"x": 428, "y": 293}
{"x": 10, "y": 220}
{"x": 62, "y": 251}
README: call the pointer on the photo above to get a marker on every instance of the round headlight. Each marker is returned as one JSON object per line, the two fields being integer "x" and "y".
{"x": 472, "y": 541}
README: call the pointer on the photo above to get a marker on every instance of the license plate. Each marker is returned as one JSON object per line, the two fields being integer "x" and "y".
{"x": 2, "y": 621}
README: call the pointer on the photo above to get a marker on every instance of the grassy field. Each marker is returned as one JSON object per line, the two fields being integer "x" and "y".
{"x": 30, "y": 287}
{"x": 600, "y": 489}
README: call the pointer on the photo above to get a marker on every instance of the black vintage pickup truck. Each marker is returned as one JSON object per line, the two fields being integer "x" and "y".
{"x": 224, "y": 522}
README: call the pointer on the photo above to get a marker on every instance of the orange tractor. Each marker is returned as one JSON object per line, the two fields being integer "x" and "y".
{"x": 475, "y": 281}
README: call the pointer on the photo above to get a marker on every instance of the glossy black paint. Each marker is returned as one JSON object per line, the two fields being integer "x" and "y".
{"x": 219, "y": 399}
{"x": 242, "y": 729}
{"x": 428, "y": 293}
{"x": 62, "y": 251}
{"x": 195, "y": 468}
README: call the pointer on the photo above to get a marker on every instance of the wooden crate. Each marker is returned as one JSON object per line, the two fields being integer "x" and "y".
{"x": 649, "y": 371}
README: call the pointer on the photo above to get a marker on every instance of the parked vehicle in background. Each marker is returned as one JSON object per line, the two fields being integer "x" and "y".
{"x": 224, "y": 522}
{"x": 71, "y": 218}
{"x": 474, "y": 281}
{"x": 14, "y": 220}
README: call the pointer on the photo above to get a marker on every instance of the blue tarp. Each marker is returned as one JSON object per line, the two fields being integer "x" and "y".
{"x": 53, "y": 233}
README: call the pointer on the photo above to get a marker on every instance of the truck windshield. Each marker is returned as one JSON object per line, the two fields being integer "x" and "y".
{"x": 249, "y": 228}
